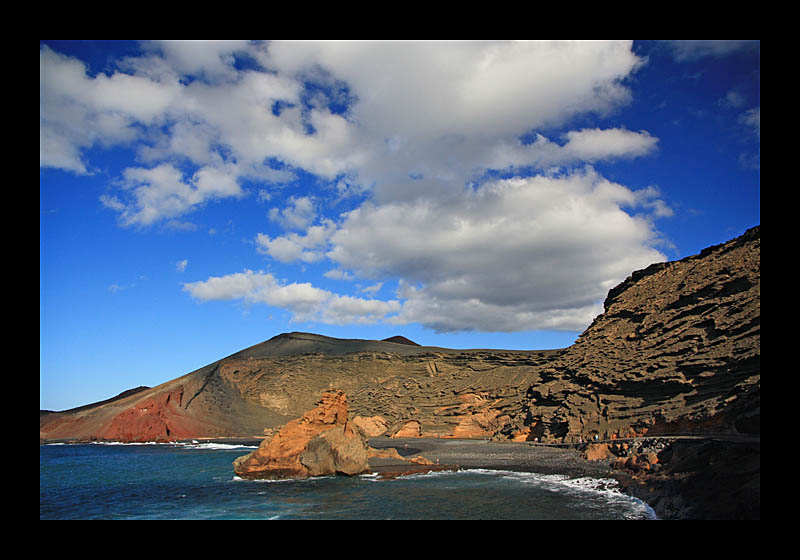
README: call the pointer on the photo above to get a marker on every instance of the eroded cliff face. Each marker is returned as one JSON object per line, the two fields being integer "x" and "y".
{"x": 677, "y": 350}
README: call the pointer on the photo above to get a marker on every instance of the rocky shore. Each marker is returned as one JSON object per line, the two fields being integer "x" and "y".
{"x": 702, "y": 478}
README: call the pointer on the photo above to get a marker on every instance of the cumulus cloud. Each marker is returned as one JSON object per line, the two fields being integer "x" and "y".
{"x": 298, "y": 213}
{"x": 77, "y": 111}
{"x": 307, "y": 248}
{"x": 518, "y": 254}
{"x": 410, "y": 127}
{"x": 586, "y": 145}
{"x": 427, "y": 125}
{"x": 153, "y": 194}
{"x": 440, "y": 109}
{"x": 304, "y": 301}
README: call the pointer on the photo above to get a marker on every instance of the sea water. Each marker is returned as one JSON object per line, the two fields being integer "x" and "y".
{"x": 196, "y": 481}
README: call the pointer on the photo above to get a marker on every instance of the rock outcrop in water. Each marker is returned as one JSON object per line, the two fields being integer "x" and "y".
{"x": 321, "y": 442}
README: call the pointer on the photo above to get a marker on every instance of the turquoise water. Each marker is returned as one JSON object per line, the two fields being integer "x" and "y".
{"x": 197, "y": 482}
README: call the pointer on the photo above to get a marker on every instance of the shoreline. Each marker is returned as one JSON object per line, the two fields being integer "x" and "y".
{"x": 686, "y": 489}
{"x": 451, "y": 452}
{"x": 496, "y": 455}
{"x": 448, "y": 453}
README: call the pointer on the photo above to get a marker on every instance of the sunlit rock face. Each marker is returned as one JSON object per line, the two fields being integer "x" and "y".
{"x": 321, "y": 442}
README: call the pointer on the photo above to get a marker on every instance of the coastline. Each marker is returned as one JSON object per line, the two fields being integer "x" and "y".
{"x": 684, "y": 489}
{"x": 497, "y": 455}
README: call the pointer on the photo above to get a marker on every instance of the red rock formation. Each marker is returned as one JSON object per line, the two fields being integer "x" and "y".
{"x": 157, "y": 418}
{"x": 321, "y": 442}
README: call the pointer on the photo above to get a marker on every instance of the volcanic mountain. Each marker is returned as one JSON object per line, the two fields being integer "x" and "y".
{"x": 677, "y": 350}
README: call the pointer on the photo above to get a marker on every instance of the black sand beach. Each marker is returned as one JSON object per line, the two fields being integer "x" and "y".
{"x": 483, "y": 454}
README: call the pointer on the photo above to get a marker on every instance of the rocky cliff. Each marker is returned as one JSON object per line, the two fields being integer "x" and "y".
{"x": 677, "y": 350}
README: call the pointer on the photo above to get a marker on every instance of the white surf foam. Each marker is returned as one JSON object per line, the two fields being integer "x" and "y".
{"x": 219, "y": 446}
{"x": 606, "y": 488}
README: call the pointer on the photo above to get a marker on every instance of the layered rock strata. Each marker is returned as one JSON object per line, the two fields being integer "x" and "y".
{"x": 677, "y": 351}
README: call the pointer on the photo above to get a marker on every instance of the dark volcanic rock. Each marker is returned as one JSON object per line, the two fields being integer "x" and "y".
{"x": 714, "y": 479}
{"x": 677, "y": 350}
{"x": 400, "y": 340}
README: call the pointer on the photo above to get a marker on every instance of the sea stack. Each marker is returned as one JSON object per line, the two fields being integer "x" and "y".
{"x": 321, "y": 442}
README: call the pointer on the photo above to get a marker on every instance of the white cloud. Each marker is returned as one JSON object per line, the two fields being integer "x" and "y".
{"x": 442, "y": 105}
{"x": 336, "y": 274}
{"x": 295, "y": 247}
{"x": 210, "y": 60}
{"x": 429, "y": 123}
{"x": 407, "y": 125}
{"x": 586, "y": 145}
{"x": 342, "y": 310}
{"x": 519, "y": 254}
{"x": 304, "y": 301}
{"x": 592, "y": 145}
{"x": 162, "y": 192}
{"x": 114, "y": 288}
{"x": 297, "y": 215}
{"x": 180, "y": 266}
{"x": 752, "y": 119}
{"x": 373, "y": 288}
{"x": 689, "y": 50}
{"x": 77, "y": 111}
{"x": 733, "y": 99}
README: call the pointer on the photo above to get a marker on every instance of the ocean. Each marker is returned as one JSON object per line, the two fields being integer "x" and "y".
{"x": 196, "y": 481}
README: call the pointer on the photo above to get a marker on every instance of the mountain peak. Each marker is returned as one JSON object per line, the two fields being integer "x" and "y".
{"x": 397, "y": 339}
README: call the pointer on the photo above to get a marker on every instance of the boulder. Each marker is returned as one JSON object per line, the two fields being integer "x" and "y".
{"x": 336, "y": 451}
{"x": 597, "y": 452}
{"x": 321, "y": 442}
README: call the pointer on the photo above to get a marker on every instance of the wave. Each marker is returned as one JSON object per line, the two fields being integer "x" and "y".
{"x": 184, "y": 445}
{"x": 218, "y": 446}
{"x": 309, "y": 479}
{"x": 607, "y": 489}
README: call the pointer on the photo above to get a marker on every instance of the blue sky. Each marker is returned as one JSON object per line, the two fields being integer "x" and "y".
{"x": 197, "y": 198}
